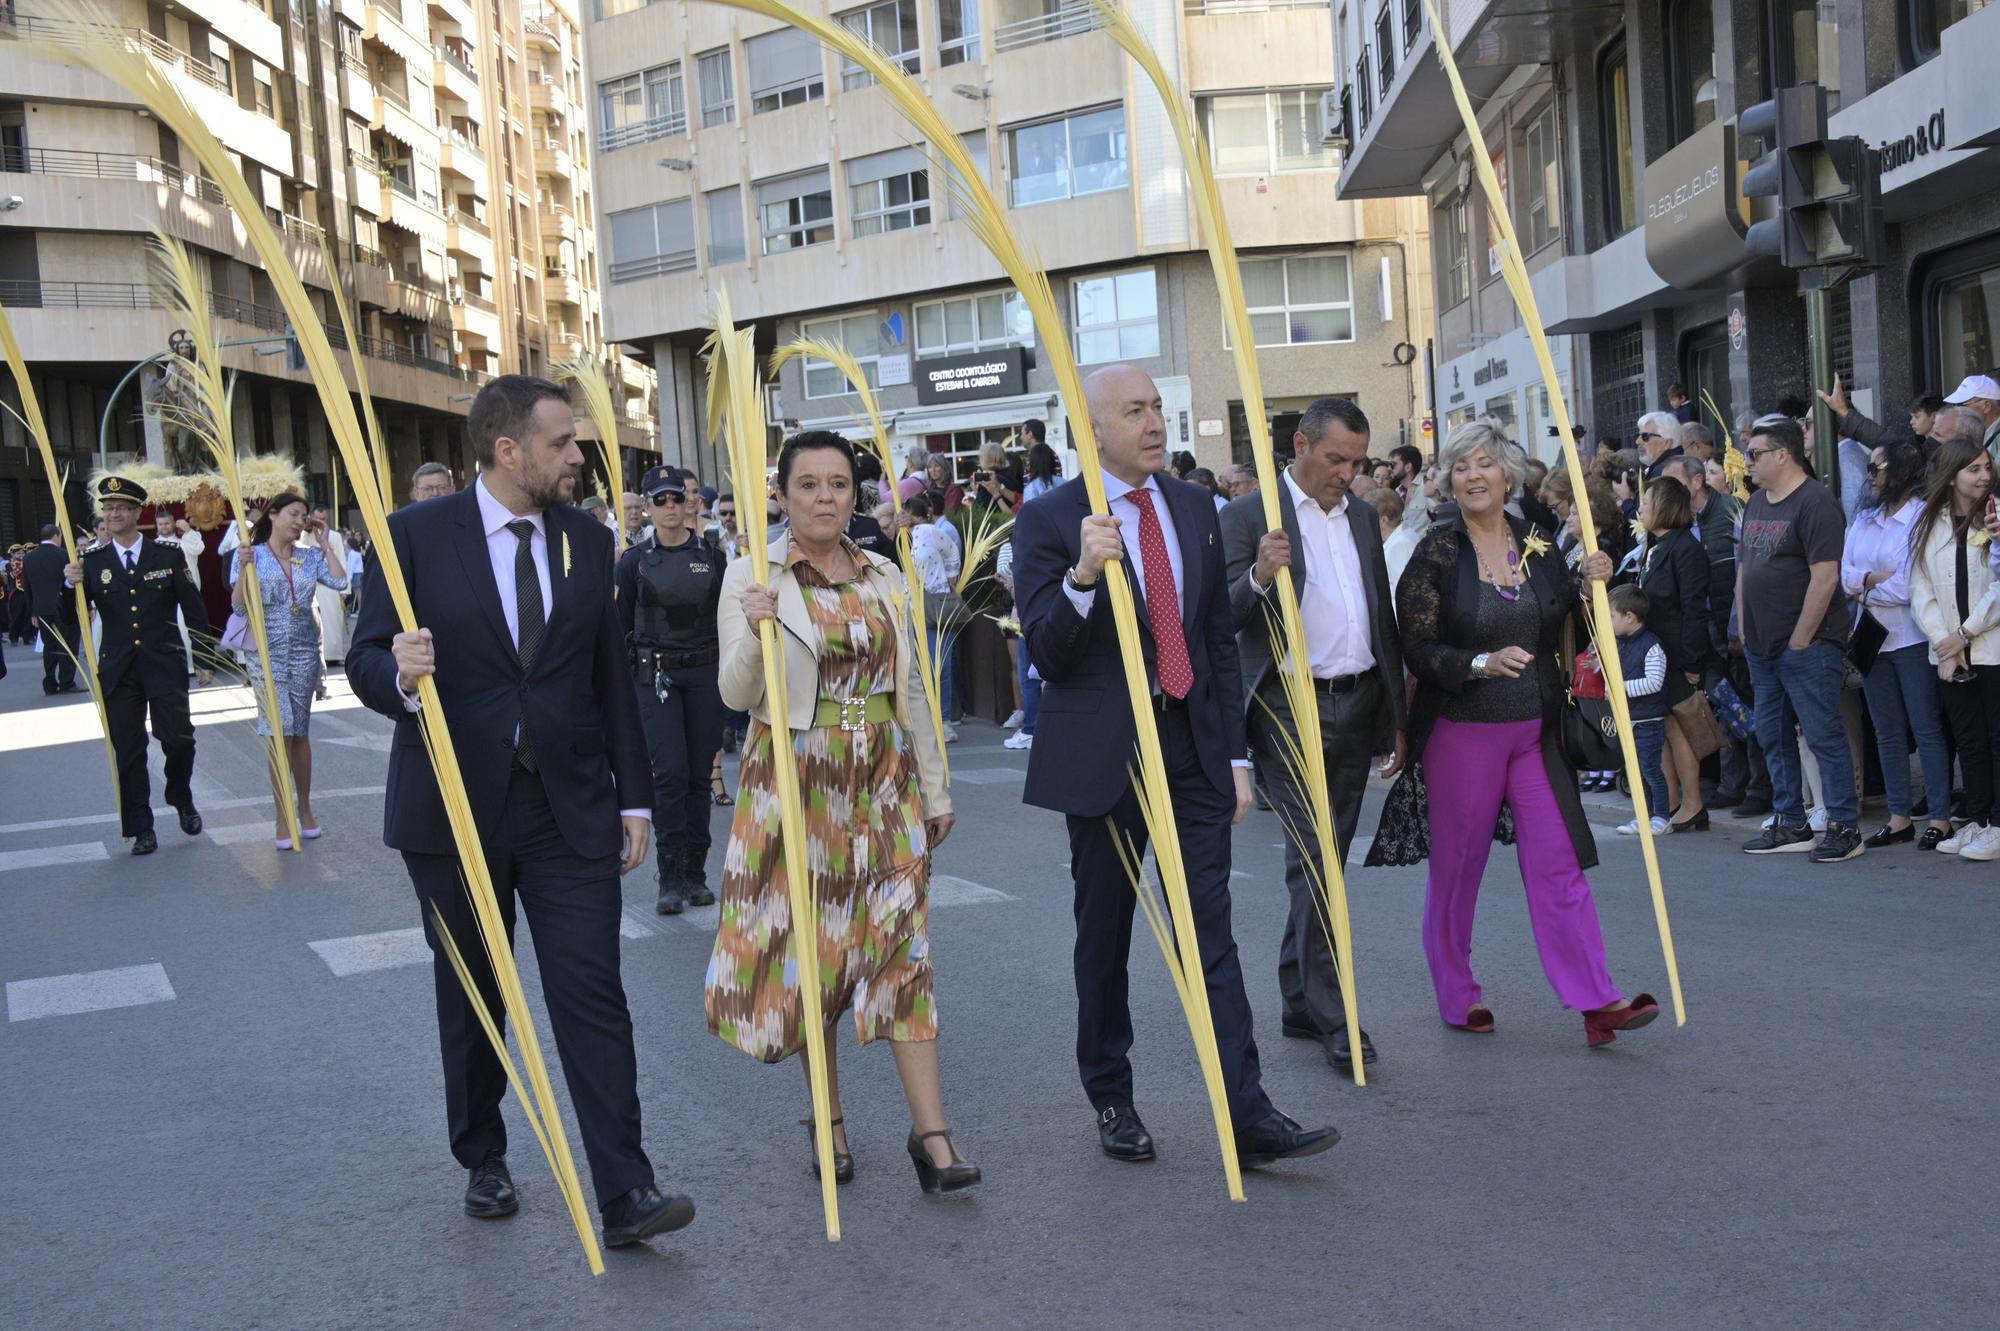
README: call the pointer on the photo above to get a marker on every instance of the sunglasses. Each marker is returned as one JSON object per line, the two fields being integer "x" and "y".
{"x": 1645, "y": 435}
{"x": 1755, "y": 453}
{"x": 668, "y": 498}
{"x": 1877, "y": 468}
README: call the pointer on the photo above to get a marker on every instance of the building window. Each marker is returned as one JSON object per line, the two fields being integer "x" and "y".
{"x": 651, "y": 241}
{"x": 1301, "y": 299}
{"x": 891, "y": 28}
{"x": 966, "y": 324}
{"x": 1540, "y": 198}
{"x": 890, "y": 191}
{"x": 1261, "y": 133}
{"x": 1614, "y": 97}
{"x": 639, "y": 107}
{"x": 1454, "y": 245}
{"x": 613, "y": 8}
{"x": 1117, "y": 317}
{"x": 854, "y": 332}
{"x": 1084, "y": 153}
{"x": 725, "y": 225}
{"x": 1691, "y": 82}
{"x": 975, "y": 148}
{"x": 1964, "y": 315}
{"x": 958, "y": 31}
{"x": 785, "y": 70}
{"x": 1924, "y": 22}
{"x": 795, "y": 211}
{"x": 1804, "y": 39}
{"x": 718, "y": 88}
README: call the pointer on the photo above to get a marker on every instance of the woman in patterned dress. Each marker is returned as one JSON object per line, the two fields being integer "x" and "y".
{"x": 872, "y": 779}
{"x": 288, "y": 575}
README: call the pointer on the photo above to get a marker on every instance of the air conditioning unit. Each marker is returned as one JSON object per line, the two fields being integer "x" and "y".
{"x": 1332, "y": 119}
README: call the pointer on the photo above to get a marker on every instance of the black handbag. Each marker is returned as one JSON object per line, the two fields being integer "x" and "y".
{"x": 1864, "y": 644}
{"x": 1589, "y": 735}
{"x": 1403, "y": 836}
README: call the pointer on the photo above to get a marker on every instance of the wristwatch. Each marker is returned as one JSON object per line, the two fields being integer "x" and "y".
{"x": 1479, "y": 665}
{"x": 1074, "y": 584}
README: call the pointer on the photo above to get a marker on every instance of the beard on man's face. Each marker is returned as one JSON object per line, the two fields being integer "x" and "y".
{"x": 556, "y": 489}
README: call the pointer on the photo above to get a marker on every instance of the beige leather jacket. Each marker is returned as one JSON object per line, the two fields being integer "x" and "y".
{"x": 740, "y": 674}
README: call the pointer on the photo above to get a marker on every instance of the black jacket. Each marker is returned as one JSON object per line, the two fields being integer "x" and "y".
{"x": 1675, "y": 581}
{"x": 1436, "y": 600}
{"x": 1242, "y": 522}
{"x": 138, "y": 609}
{"x": 577, "y": 704}
{"x": 1085, "y": 743}
{"x": 42, "y": 569}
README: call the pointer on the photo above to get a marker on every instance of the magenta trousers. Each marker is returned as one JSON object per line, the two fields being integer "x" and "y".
{"x": 1470, "y": 767}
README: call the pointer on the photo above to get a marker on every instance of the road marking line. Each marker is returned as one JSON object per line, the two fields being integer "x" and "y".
{"x": 373, "y": 952}
{"x": 168, "y": 815}
{"x": 639, "y": 922}
{"x": 379, "y": 743}
{"x": 986, "y": 776}
{"x": 89, "y": 991}
{"x": 44, "y": 856}
{"x": 239, "y": 834}
{"x": 949, "y": 891}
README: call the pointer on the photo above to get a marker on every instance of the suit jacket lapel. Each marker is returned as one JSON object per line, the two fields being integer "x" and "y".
{"x": 1368, "y": 552}
{"x": 562, "y": 564}
{"x": 1188, "y": 533}
{"x": 1288, "y": 516}
{"x": 477, "y": 565}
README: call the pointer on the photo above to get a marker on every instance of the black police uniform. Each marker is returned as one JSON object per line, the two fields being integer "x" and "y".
{"x": 667, "y": 599}
{"x": 141, "y": 668}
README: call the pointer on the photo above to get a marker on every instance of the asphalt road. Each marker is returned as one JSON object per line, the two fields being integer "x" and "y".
{"x": 220, "y": 1100}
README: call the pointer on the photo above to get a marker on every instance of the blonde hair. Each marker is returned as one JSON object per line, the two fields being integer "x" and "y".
{"x": 1484, "y": 435}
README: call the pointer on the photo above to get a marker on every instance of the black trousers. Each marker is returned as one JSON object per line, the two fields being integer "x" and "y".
{"x": 683, "y": 735}
{"x": 1973, "y": 708}
{"x": 60, "y": 652}
{"x": 125, "y": 708}
{"x": 573, "y": 907}
{"x": 1104, "y": 906}
{"x": 1308, "y": 977}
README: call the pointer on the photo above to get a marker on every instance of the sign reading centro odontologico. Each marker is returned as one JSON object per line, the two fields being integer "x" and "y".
{"x": 1001, "y": 372}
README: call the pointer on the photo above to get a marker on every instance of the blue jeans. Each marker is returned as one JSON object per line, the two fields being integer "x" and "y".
{"x": 1031, "y": 689}
{"x": 1650, "y": 738}
{"x": 1801, "y": 691}
{"x": 1903, "y": 700}
{"x": 944, "y": 660}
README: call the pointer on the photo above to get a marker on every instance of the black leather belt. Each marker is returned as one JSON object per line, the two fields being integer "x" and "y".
{"x": 1338, "y": 684}
{"x": 1166, "y": 702}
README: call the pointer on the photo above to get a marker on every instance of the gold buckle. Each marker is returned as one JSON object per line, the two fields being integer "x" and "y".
{"x": 854, "y": 714}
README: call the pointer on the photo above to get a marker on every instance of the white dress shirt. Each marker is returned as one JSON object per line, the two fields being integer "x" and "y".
{"x": 1333, "y": 604}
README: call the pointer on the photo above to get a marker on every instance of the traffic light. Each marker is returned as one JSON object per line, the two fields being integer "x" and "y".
{"x": 1828, "y": 190}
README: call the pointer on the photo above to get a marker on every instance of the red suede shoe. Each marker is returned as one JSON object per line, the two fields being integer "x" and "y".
{"x": 1601, "y": 1027}
{"x": 1478, "y": 1020}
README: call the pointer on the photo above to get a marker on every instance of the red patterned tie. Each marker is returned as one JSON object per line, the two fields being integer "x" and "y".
{"x": 1163, "y": 601}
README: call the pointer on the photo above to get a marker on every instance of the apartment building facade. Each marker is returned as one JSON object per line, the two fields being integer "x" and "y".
{"x": 428, "y": 143}
{"x": 733, "y": 151}
{"x": 1613, "y": 126}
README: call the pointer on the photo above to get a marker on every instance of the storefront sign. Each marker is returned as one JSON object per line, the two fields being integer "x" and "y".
{"x": 1002, "y": 372}
{"x": 1494, "y": 368}
{"x": 1694, "y": 211}
{"x": 1924, "y": 140}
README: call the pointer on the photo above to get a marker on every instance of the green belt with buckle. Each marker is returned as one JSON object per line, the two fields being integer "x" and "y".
{"x": 854, "y": 713}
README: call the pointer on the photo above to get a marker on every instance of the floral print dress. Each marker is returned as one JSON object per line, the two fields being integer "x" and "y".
{"x": 868, "y": 858}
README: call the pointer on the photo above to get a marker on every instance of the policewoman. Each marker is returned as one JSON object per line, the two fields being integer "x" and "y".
{"x": 136, "y": 586}
{"x": 668, "y": 589}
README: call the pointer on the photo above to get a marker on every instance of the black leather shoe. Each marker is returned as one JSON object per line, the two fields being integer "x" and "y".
{"x": 489, "y": 1193}
{"x": 1341, "y": 1054}
{"x": 644, "y": 1212}
{"x": 1892, "y": 836}
{"x": 1280, "y": 1138}
{"x": 145, "y": 843}
{"x": 191, "y": 821}
{"x": 1295, "y": 1028}
{"x": 1122, "y": 1135}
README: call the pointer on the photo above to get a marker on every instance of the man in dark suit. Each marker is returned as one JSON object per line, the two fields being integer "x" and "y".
{"x": 513, "y": 589}
{"x": 136, "y": 586}
{"x": 1333, "y": 545}
{"x": 1162, "y": 535}
{"x": 54, "y": 610}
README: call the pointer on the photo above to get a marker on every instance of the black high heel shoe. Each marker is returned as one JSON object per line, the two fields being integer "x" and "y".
{"x": 1697, "y": 823}
{"x": 843, "y": 1163}
{"x": 960, "y": 1173}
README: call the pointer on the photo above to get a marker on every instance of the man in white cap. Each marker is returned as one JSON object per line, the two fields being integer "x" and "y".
{"x": 1981, "y": 394}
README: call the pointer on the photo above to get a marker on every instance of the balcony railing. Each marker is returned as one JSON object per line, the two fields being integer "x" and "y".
{"x": 298, "y": 228}
{"x": 409, "y": 191}
{"x": 472, "y": 223}
{"x": 1067, "y": 21}
{"x": 365, "y": 162}
{"x": 477, "y": 302}
{"x": 392, "y": 95}
{"x": 1250, "y": 6}
{"x": 658, "y": 265}
{"x": 374, "y": 258}
{"x": 1365, "y": 101}
{"x": 270, "y": 318}
{"x": 64, "y": 32}
{"x": 350, "y": 60}
{"x": 465, "y": 142}
{"x": 642, "y": 131}
{"x": 460, "y": 62}
{"x": 26, "y": 295}
{"x": 110, "y": 166}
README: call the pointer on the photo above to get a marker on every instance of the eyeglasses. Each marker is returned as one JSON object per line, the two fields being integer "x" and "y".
{"x": 668, "y": 497}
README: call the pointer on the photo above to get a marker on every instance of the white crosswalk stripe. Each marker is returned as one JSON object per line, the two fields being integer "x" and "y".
{"x": 239, "y": 834}
{"x": 43, "y": 857}
{"x": 89, "y": 991}
{"x": 373, "y": 952}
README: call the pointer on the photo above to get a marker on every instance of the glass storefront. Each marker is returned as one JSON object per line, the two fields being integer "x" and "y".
{"x": 1966, "y": 317}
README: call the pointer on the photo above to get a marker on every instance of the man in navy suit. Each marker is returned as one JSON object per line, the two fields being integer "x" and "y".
{"x": 1163, "y": 535}
{"x": 513, "y": 589}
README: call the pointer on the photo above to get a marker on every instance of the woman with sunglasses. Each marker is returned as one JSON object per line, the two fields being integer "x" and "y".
{"x": 1900, "y": 684}
{"x": 668, "y": 590}
{"x": 1956, "y": 603}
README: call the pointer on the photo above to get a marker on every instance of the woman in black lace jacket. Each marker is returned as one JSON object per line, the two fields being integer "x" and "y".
{"x": 1483, "y": 603}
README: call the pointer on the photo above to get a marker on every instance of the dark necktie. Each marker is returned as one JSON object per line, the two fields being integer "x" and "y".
{"x": 532, "y": 620}
{"x": 1163, "y": 601}
{"x": 131, "y": 561}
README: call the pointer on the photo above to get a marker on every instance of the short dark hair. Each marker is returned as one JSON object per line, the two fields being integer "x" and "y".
{"x": 504, "y": 408}
{"x": 1930, "y": 403}
{"x": 726, "y": 497}
{"x": 1785, "y": 432}
{"x": 1314, "y": 419}
{"x": 1035, "y": 429}
{"x": 805, "y": 442}
{"x": 1793, "y": 405}
{"x": 1632, "y": 599}
{"x": 919, "y": 506}
{"x": 50, "y": 531}
{"x": 867, "y": 467}
{"x": 1672, "y": 509}
{"x": 1409, "y": 455}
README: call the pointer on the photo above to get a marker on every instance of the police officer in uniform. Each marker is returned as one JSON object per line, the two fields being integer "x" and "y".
{"x": 668, "y": 589}
{"x": 136, "y": 585}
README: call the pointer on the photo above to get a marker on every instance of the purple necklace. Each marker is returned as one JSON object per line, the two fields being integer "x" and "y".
{"x": 1511, "y": 589}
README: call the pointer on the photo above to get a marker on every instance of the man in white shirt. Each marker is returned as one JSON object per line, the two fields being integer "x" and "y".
{"x": 1332, "y": 542}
